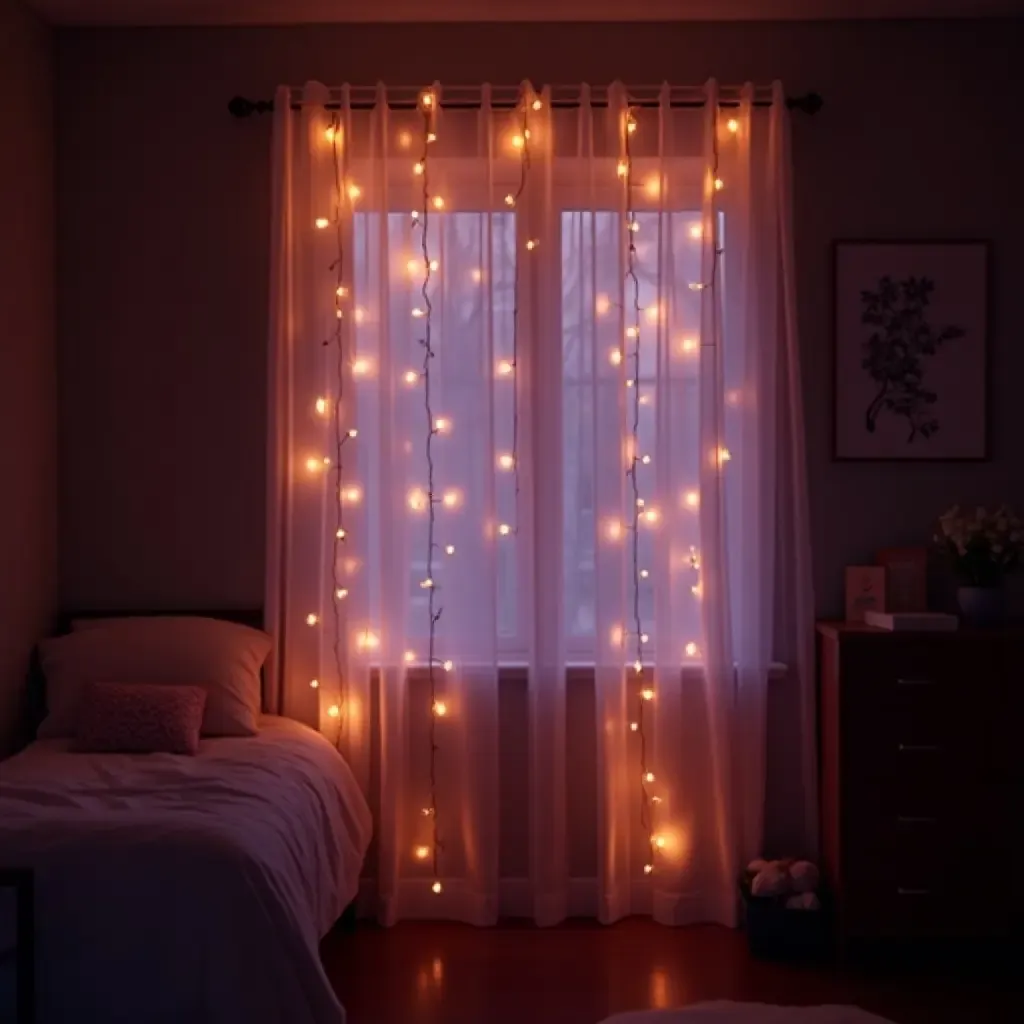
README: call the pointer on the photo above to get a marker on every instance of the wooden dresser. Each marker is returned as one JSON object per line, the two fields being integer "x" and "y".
{"x": 921, "y": 747}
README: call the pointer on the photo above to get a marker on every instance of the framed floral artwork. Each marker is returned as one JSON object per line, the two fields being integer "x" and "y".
{"x": 910, "y": 350}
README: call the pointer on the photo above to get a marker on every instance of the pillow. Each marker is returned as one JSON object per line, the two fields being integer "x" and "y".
{"x": 223, "y": 657}
{"x": 140, "y": 719}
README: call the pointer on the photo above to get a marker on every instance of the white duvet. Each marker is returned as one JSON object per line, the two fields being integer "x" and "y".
{"x": 186, "y": 890}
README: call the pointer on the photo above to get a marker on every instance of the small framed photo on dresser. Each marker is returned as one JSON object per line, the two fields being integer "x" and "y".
{"x": 865, "y": 591}
{"x": 906, "y": 578}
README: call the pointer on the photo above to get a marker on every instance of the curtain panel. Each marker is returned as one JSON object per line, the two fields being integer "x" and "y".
{"x": 535, "y": 411}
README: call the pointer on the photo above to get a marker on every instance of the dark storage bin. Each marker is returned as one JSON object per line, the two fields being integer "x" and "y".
{"x": 777, "y": 933}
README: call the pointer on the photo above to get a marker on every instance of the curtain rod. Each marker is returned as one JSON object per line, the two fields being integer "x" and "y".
{"x": 239, "y": 106}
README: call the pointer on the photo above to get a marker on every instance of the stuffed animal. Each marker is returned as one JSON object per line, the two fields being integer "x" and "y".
{"x": 803, "y": 876}
{"x": 770, "y": 882}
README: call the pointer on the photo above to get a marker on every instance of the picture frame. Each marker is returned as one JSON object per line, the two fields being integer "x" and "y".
{"x": 865, "y": 591}
{"x": 910, "y": 350}
{"x": 906, "y": 578}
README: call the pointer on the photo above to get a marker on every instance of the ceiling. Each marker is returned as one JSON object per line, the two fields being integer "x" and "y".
{"x": 280, "y": 12}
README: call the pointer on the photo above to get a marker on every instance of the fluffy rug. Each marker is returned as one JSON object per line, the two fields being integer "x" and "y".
{"x": 748, "y": 1013}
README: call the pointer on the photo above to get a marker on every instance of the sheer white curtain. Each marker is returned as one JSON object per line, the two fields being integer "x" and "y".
{"x": 534, "y": 408}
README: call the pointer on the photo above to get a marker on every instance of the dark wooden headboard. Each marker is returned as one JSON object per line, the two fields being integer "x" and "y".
{"x": 35, "y": 695}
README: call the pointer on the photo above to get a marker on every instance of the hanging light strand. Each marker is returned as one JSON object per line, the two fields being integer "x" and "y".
{"x": 427, "y": 107}
{"x": 632, "y": 282}
{"x": 524, "y": 167}
{"x": 341, "y": 435}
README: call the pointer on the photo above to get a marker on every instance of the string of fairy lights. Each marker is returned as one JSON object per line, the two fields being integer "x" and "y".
{"x": 438, "y": 708}
{"x": 345, "y": 196}
{"x": 632, "y": 305}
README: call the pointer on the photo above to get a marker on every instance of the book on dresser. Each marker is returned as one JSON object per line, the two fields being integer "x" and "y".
{"x": 920, "y": 780}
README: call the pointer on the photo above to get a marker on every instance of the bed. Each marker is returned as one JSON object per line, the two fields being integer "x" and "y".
{"x": 186, "y": 889}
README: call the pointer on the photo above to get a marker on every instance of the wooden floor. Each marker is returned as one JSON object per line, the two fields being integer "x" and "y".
{"x": 580, "y": 973}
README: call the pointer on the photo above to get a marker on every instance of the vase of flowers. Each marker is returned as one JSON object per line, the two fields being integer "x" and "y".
{"x": 983, "y": 548}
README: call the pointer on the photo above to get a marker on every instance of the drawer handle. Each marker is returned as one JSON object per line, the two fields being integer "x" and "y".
{"x": 915, "y": 682}
{"x": 919, "y": 748}
{"x": 913, "y": 892}
{"x": 911, "y": 820}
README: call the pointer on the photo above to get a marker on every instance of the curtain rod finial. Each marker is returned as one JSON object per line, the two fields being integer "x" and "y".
{"x": 239, "y": 106}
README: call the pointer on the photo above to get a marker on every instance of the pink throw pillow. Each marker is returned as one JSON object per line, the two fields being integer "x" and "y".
{"x": 140, "y": 718}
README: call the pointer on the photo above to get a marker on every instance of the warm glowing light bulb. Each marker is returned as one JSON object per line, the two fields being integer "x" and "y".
{"x": 353, "y": 432}
{"x": 448, "y": 666}
{"x": 314, "y": 465}
{"x": 404, "y": 139}
{"x": 321, "y": 222}
{"x": 450, "y": 499}
{"x": 644, "y": 573}
{"x": 330, "y": 132}
{"x": 321, "y": 406}
{"x": 438, "y": 203}
{"x": 354, "y": 192}
{"x": 733, "y": 125}
{"x": 517, "y": 142}
{"x": 660, "y": 842}
{"x": 634, "y": 226}
{"x": 314, "y": 683}
{"x": 615, "y": 357}
{"x": 505, "y": 461}
{"x": 652, "y": 515}
{"x": 414, "y": 266}
{"x": 691, "y": 650}
{"x": 644, "y": 638}
{"x": 613, "y": 529}
{"x": 417, "y": 312}
{"x": 360, "y": 314}
{"x": 422, "y": 852}
{"x": 634, "y": 726}
{"x": 648, "y": 868}
{"x": 368, "y": 640}
{"x": 427, "y": 583}
{"x": 536, "y": 104}
{"x": 477, "y": 275}
{"x": 697, "y": 590}
{"x": 645, "y": 399}
{"x": 630, "y": 125}
{"x": 417, "y": 500}
{"x": 510, "y": 200}
{"x": 504, "y": 529}
{"x": 504, "y": 368}
{"x": 431, "y": 137}
{"x": 622, "y": 169}
{"x": 353, "y": 495}
{"x": 692, "y": 499}
{"x": 410, "y": 657}
{"x": 441, "y": 424}
{"x": 689, "y": 346}
{"x": 639, "y": 502}
{"x": 361, "y": 367}
{"x": 334, "y": 711}
{"x": 532, "y": 244}
{"x": 632, "y": 332}
{"x": 341, "y": 291}
{"x": 437, "y": 888}
{"x": 602, "y": 305}
{"x": 647, "y": 693}
{"x": 312, "y": 619}
{"x": 427, "y": 99}
{"x": 652, "y": 186}
{"x": 719, "y": 184}
{"x": 426, "y": 812}
{"x": 724, "y": 455}
{"x": 341, "y": 593}
{"x": 449, "y": 549}
{"x": 410, "y": 376}
{"x": 646, "y": 460}
{"x": 648, "y": 776}
{"x": 638, "y": 667}
{"x": 696, "y": 231}
{"x": 340, "y": 533}
{"x": 653, "y": 314}
{"x": 440, "y": 708}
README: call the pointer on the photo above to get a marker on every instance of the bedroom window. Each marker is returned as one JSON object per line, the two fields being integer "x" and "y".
{"x": 472, "y": 293}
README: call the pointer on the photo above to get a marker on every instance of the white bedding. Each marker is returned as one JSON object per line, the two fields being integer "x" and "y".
{"x": 186, "y": 889}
